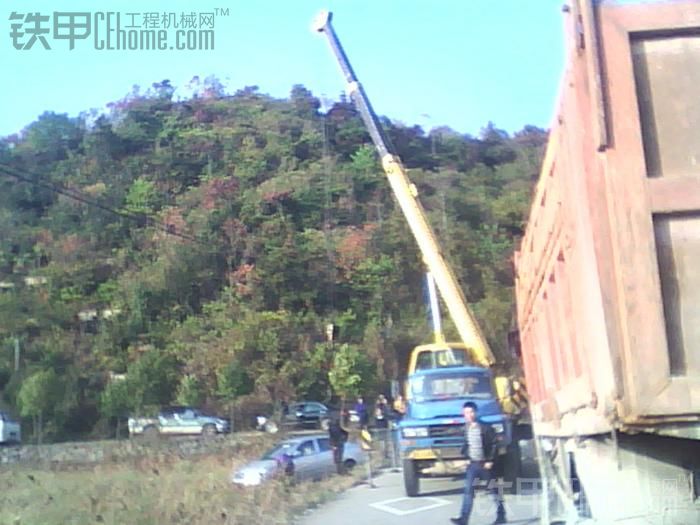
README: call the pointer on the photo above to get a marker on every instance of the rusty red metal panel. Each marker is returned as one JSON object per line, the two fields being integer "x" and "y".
{"x": 531, "y": 371}
{"x": 567, "y": 317}
{"x": 648, "y": 111}
{"x": 554, "y": 341}
{"x": 589, "y": 288}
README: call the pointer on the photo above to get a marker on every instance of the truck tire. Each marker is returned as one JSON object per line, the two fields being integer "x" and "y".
{"x": 209, "y": 430}
{"x": 411, "y": 479}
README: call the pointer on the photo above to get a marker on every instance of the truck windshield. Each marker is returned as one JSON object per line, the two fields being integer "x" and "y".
{"x": 442, "y": 358}
{"x": 450, "y": 386}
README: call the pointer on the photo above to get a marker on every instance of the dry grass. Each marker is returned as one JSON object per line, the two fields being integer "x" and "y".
{"x": 156, "y": 491}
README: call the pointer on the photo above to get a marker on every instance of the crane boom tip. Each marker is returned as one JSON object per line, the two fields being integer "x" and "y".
{"x": 321, "y": 20}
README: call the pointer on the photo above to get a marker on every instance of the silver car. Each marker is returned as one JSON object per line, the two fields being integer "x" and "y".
{"x": 179, "y": 421}
{"x": 305, "y": 457}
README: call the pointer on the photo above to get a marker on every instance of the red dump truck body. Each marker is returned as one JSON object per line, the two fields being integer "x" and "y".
{"x": 608, "y": 272}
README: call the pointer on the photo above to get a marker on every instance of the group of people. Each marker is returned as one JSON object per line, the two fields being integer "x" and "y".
{"x": 382, "y": 411}
{"x": 382, "y": 414}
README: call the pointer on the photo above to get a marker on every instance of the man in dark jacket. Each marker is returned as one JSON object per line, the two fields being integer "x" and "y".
{"x": 480, "y": 450}
{"x": 337, "y": 436}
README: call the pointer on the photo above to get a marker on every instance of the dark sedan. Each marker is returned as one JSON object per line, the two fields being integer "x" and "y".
{"x": 308, "y": 414}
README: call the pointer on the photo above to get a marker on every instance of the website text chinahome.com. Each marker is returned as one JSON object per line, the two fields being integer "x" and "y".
{"x": 114, "y": 31}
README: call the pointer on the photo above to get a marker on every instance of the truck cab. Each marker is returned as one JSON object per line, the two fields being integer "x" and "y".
{"x": 511, "y": 394}
{"x": 432, "y": 433}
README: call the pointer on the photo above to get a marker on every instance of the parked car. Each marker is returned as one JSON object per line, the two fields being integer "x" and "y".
{"x": 307, "y": 457}
{"x": 179, "y": 421}
{"x": 308, "y": 414}
{"x": 10, "y": 431}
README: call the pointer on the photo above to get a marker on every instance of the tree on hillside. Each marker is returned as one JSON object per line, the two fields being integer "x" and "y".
{"x": 189, "y": 391}
{"x": 351, "y": 373}
{"x": 116, "y": 402}
{"x": 37, "y": 397}
{"x": 152, "y": 379}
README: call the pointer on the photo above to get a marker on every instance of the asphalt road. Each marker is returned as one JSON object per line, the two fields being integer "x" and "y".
{"x": 439, "y": 500}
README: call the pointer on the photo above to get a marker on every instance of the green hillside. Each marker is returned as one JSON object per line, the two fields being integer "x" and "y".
{"x": 201, "y": 247}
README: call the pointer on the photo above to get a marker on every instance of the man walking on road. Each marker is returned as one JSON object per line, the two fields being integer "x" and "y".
{"x": 479, "y": 449}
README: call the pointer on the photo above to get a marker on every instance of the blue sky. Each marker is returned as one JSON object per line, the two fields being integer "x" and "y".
{"x": 458, "y": 63}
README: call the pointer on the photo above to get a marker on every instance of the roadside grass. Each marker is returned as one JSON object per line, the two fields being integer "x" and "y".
{"x": 158, "y": 490}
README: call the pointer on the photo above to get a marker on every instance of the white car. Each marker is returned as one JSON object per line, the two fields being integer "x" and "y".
{"x": 10, "y": 432}
{"x": 305, "y": 457}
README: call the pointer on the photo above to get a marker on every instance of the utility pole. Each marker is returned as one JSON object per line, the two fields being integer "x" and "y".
{"x": 16, "y": 354}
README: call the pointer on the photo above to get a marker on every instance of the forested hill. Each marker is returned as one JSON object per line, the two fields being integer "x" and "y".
{"x": 202, "y": 246}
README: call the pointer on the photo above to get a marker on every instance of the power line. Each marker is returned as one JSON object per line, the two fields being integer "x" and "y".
{"x": 141, "y": 218}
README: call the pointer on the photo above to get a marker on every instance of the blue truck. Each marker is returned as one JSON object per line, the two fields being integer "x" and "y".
{"x": 432, "y": 432}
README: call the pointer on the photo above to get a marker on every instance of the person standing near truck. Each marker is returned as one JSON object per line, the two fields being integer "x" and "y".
{"x": 381, "y": 412}
{"x": 337, "y": 436}
{"x": 399, "y": 407}
{"x": 361, "y": 411}
{"x": 479, "y": 449}
{"x": 381, "y": 423}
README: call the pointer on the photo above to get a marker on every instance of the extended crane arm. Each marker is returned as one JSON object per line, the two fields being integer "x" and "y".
{"x": 405, "y": 193}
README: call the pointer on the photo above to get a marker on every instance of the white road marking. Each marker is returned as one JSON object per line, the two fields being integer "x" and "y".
{"x": 432, "y": 503}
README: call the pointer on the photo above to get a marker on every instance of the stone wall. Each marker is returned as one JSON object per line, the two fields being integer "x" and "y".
{"x": 93, "y": 452}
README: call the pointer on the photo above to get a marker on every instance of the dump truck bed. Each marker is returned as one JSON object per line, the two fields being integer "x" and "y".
{"x": 608, "y": 272}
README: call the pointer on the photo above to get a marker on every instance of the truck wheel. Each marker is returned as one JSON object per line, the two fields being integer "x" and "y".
{"x": 151, "y": 432}
{"x": 411, "y": 480}
{"x": 209, "y": 430}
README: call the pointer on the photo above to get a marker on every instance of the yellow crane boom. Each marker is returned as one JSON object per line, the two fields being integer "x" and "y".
{"x": 406, "y": 195}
